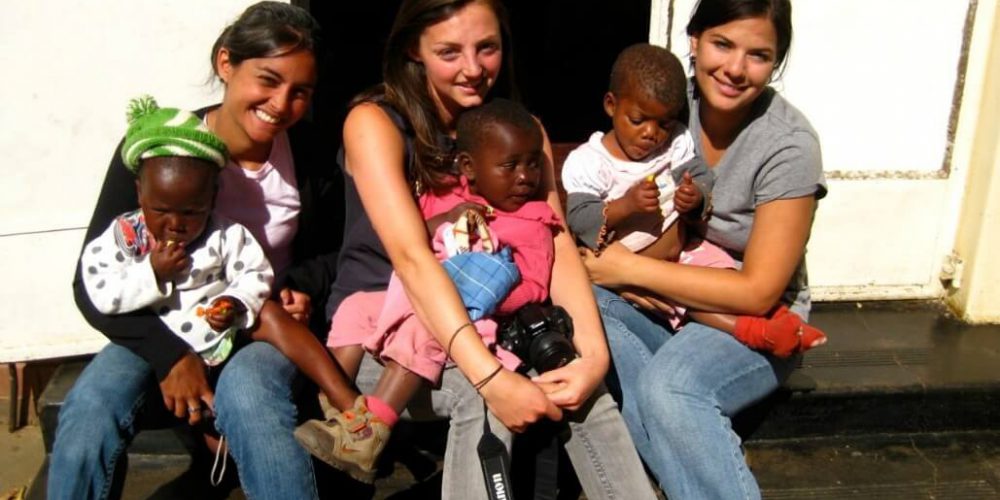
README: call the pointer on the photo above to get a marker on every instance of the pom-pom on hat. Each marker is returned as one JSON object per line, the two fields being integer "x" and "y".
{"x": 154, "y": 131}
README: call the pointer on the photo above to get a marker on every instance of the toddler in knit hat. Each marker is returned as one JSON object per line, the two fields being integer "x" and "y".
{"x": 205, "y": 277}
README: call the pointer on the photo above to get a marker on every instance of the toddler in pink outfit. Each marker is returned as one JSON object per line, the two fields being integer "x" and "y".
{"x": 399, "y": 337}
{"x": 500, "y": 160}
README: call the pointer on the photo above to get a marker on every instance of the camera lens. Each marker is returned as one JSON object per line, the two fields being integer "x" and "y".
{"x": 550, "y": 351}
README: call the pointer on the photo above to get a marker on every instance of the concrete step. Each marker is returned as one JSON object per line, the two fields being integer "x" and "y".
{"x": 890, "y": 367}
{"x": 952, "y": 465}
{"x": 901, "y": 398}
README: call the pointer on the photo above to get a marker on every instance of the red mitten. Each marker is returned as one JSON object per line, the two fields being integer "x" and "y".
{"x": 781, "y": 333}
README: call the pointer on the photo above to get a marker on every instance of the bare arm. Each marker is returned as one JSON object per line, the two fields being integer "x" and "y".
{"x": 776, "y": 246}
{"x": 570, "y": 288}
{"x": 375, "y": 150}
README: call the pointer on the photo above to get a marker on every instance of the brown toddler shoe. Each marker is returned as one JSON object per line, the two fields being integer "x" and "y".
{"x": 350, "y": 441}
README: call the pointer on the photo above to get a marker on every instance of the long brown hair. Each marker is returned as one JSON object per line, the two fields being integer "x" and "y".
{"x": 404, "y": 82}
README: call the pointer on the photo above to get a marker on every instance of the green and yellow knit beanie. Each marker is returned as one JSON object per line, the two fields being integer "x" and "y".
{"x": 154, "y": 131}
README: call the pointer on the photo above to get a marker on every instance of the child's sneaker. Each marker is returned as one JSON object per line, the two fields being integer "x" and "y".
{"x": 350, "y": 441}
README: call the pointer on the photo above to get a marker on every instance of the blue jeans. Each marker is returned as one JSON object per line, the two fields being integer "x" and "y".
{"x": 679, "y": 392}
{"x": 253, "y": 403}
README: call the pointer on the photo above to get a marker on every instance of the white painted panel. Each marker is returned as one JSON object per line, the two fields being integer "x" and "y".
{"x": 70, "y": 68}
{"x": 39, "y": 317}
{"x": 877, "y": 236}
{"x": 878, "y": 92}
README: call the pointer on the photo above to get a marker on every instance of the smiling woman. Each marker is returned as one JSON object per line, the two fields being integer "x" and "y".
{"x": 444, "y": 57}
{"x": 265, "y": 95}
{"x": 462, "y": 57}
{"x": 680, "y": 387}
{"x": 734, "y": 64}
{"x": 278, "y": 186}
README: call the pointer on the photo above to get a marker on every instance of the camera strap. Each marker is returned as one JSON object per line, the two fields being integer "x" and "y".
{"x": 547, "y": 464}
{"x": 495, "y": 461}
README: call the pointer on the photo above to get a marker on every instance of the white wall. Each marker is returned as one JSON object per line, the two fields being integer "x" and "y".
{"x": 69, "y": 69}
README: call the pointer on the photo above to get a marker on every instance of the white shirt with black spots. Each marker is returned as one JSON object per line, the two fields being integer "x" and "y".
{"x": 227, "y": 261}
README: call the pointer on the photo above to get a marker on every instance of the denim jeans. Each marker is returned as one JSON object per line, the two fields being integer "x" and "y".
{"x": 253, "y": 403}
{"x": 598, "y": 443}
{"x": 678, "y": 393}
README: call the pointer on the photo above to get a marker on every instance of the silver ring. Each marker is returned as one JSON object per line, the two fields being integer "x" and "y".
{"x": 193, "y": 409}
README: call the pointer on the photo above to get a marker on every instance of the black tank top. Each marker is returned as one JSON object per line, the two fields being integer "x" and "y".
{"x": 363, "y": 264}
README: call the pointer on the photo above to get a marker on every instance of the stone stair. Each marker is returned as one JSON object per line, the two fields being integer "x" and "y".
{"x": 903, "y": 402}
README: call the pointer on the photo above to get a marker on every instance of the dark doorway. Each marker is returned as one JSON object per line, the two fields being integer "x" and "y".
{"x": 563, "y": 51}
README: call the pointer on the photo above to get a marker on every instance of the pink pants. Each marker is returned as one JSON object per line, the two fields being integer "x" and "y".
{"x": 407, "y": 342}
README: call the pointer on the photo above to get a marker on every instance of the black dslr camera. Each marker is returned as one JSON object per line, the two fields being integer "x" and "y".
{"x": 540, "y": 336}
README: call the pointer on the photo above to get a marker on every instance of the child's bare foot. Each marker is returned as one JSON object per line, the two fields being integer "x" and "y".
{"x": 782, "y": 333}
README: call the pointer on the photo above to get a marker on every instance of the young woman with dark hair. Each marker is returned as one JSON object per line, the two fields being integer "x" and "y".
{"x": 681, "y": 389}
{"x": 279, "y": 186}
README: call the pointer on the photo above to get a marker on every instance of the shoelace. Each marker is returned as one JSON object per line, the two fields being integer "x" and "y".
{"x": 219, "y": 453}
{"x": 354, "y": 423}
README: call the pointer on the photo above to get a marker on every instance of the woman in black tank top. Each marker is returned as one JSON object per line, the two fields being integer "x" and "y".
{"x": 442, "y": 57}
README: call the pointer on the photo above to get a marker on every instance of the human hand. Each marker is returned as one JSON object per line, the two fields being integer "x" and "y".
{"x": 297, "y": 304}
{"x": 570, "y": 386}
{"x": 457, "y": 211}
{"x": 185, "y": 388}
{"x": 687, "y": 196}
{"x": 643, "y": 197}
{"x": 609, "y": 269}
{"x": 453, "y": 215}
{"x": 517, "y": 402}
{"x": 168, "y": 260}
{"x": 221, "y": 314}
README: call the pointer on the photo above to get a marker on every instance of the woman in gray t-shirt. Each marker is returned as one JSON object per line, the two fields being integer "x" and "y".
{"x": 679, "y": 390}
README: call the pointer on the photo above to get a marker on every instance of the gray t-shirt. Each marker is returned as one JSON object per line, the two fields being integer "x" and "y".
{"x": 777, "y": 156}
